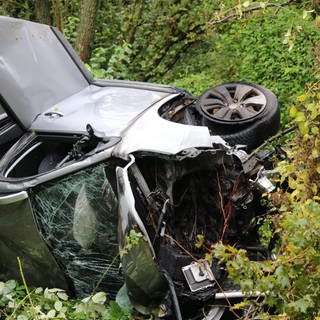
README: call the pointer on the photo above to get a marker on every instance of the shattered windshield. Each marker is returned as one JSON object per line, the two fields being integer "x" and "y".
{"x": 77, "y": 217}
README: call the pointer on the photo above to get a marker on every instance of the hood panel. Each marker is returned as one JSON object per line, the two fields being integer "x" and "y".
{"x": 36, "y": 71}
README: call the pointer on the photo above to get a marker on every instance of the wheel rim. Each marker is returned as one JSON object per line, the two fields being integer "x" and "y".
{"x": 233, "y": 102}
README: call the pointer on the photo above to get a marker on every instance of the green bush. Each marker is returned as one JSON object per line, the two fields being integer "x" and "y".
{"x": 290, "y": 281}
{"x": 274, "y": 50}
{"x": 21, "y": 303}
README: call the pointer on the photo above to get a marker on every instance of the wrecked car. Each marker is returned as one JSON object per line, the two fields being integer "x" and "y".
{"x": 109, "y": 185}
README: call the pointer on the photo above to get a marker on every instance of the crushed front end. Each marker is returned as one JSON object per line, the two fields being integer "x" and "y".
{"x": 172, "y": 209}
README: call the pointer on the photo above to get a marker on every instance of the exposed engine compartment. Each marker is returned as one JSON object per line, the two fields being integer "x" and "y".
{"x": 189, "y": 202}
{"x": 207, "y": 190}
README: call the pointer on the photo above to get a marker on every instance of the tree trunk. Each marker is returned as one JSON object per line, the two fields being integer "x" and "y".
{"x": 42, "y": 11}
{"x": 89, "y": 9}
{"x": 57, "y": 14}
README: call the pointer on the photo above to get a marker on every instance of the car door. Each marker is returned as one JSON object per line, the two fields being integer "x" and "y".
{"x": 149, "y": 287}
{"x": 19, "y": 238}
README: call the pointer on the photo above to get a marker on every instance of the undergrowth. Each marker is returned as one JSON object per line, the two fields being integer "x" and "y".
{"x": 54, "y": 303}
{"x": 290, "y": 282}
{"x": 23, "y": 303}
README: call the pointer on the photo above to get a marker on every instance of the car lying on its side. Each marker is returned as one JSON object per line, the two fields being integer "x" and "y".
{"x": 90, "y": 168}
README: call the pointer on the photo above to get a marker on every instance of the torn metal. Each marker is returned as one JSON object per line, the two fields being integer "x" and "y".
{"x": 199, "y": 193}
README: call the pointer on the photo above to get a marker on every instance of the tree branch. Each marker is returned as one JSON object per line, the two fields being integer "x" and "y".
{"x": 271, "y": 139}
{"x": 42, "y": 10}
{"x": 180, "y": 36}
{"x": 58, "y": 14}
{"x": 238, "y": 15}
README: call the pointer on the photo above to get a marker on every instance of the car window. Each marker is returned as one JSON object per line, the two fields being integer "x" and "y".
{"x": 77, "y": 216}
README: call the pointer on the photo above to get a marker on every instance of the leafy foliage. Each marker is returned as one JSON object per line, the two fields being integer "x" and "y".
{"x": 70, "y": 29}
{"x": 255, "y": 50}
{"x": 291, "y": 281}
{"x": 19, "y": 9}
{"x": 16, "y": 303}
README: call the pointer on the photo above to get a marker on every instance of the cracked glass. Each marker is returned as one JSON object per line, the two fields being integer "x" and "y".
{"x": 77, "y": 217}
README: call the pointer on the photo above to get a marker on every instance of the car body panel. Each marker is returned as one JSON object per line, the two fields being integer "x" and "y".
{"x": 108, "y": 109}
{"x": 135, "y": 84}
{"x": 9, "y": 131}
{"x": 36, "y": 71}
{"x": 50, "y": 79}
{"x": 16, "y": 220}
{"x": 128, "y": 215}
{"x": 2, "y": 113}
{"x": 152, "y": 133}
{"x": 136, "y": 249}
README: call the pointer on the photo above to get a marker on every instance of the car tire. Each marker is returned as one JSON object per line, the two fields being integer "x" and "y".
{"x": 240, "y": 112}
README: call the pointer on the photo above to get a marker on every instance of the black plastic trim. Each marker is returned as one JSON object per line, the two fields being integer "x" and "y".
{"x": 136, "y": 85}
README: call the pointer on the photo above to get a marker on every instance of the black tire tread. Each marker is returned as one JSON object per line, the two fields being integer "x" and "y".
{"x": 252, "y": 132}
